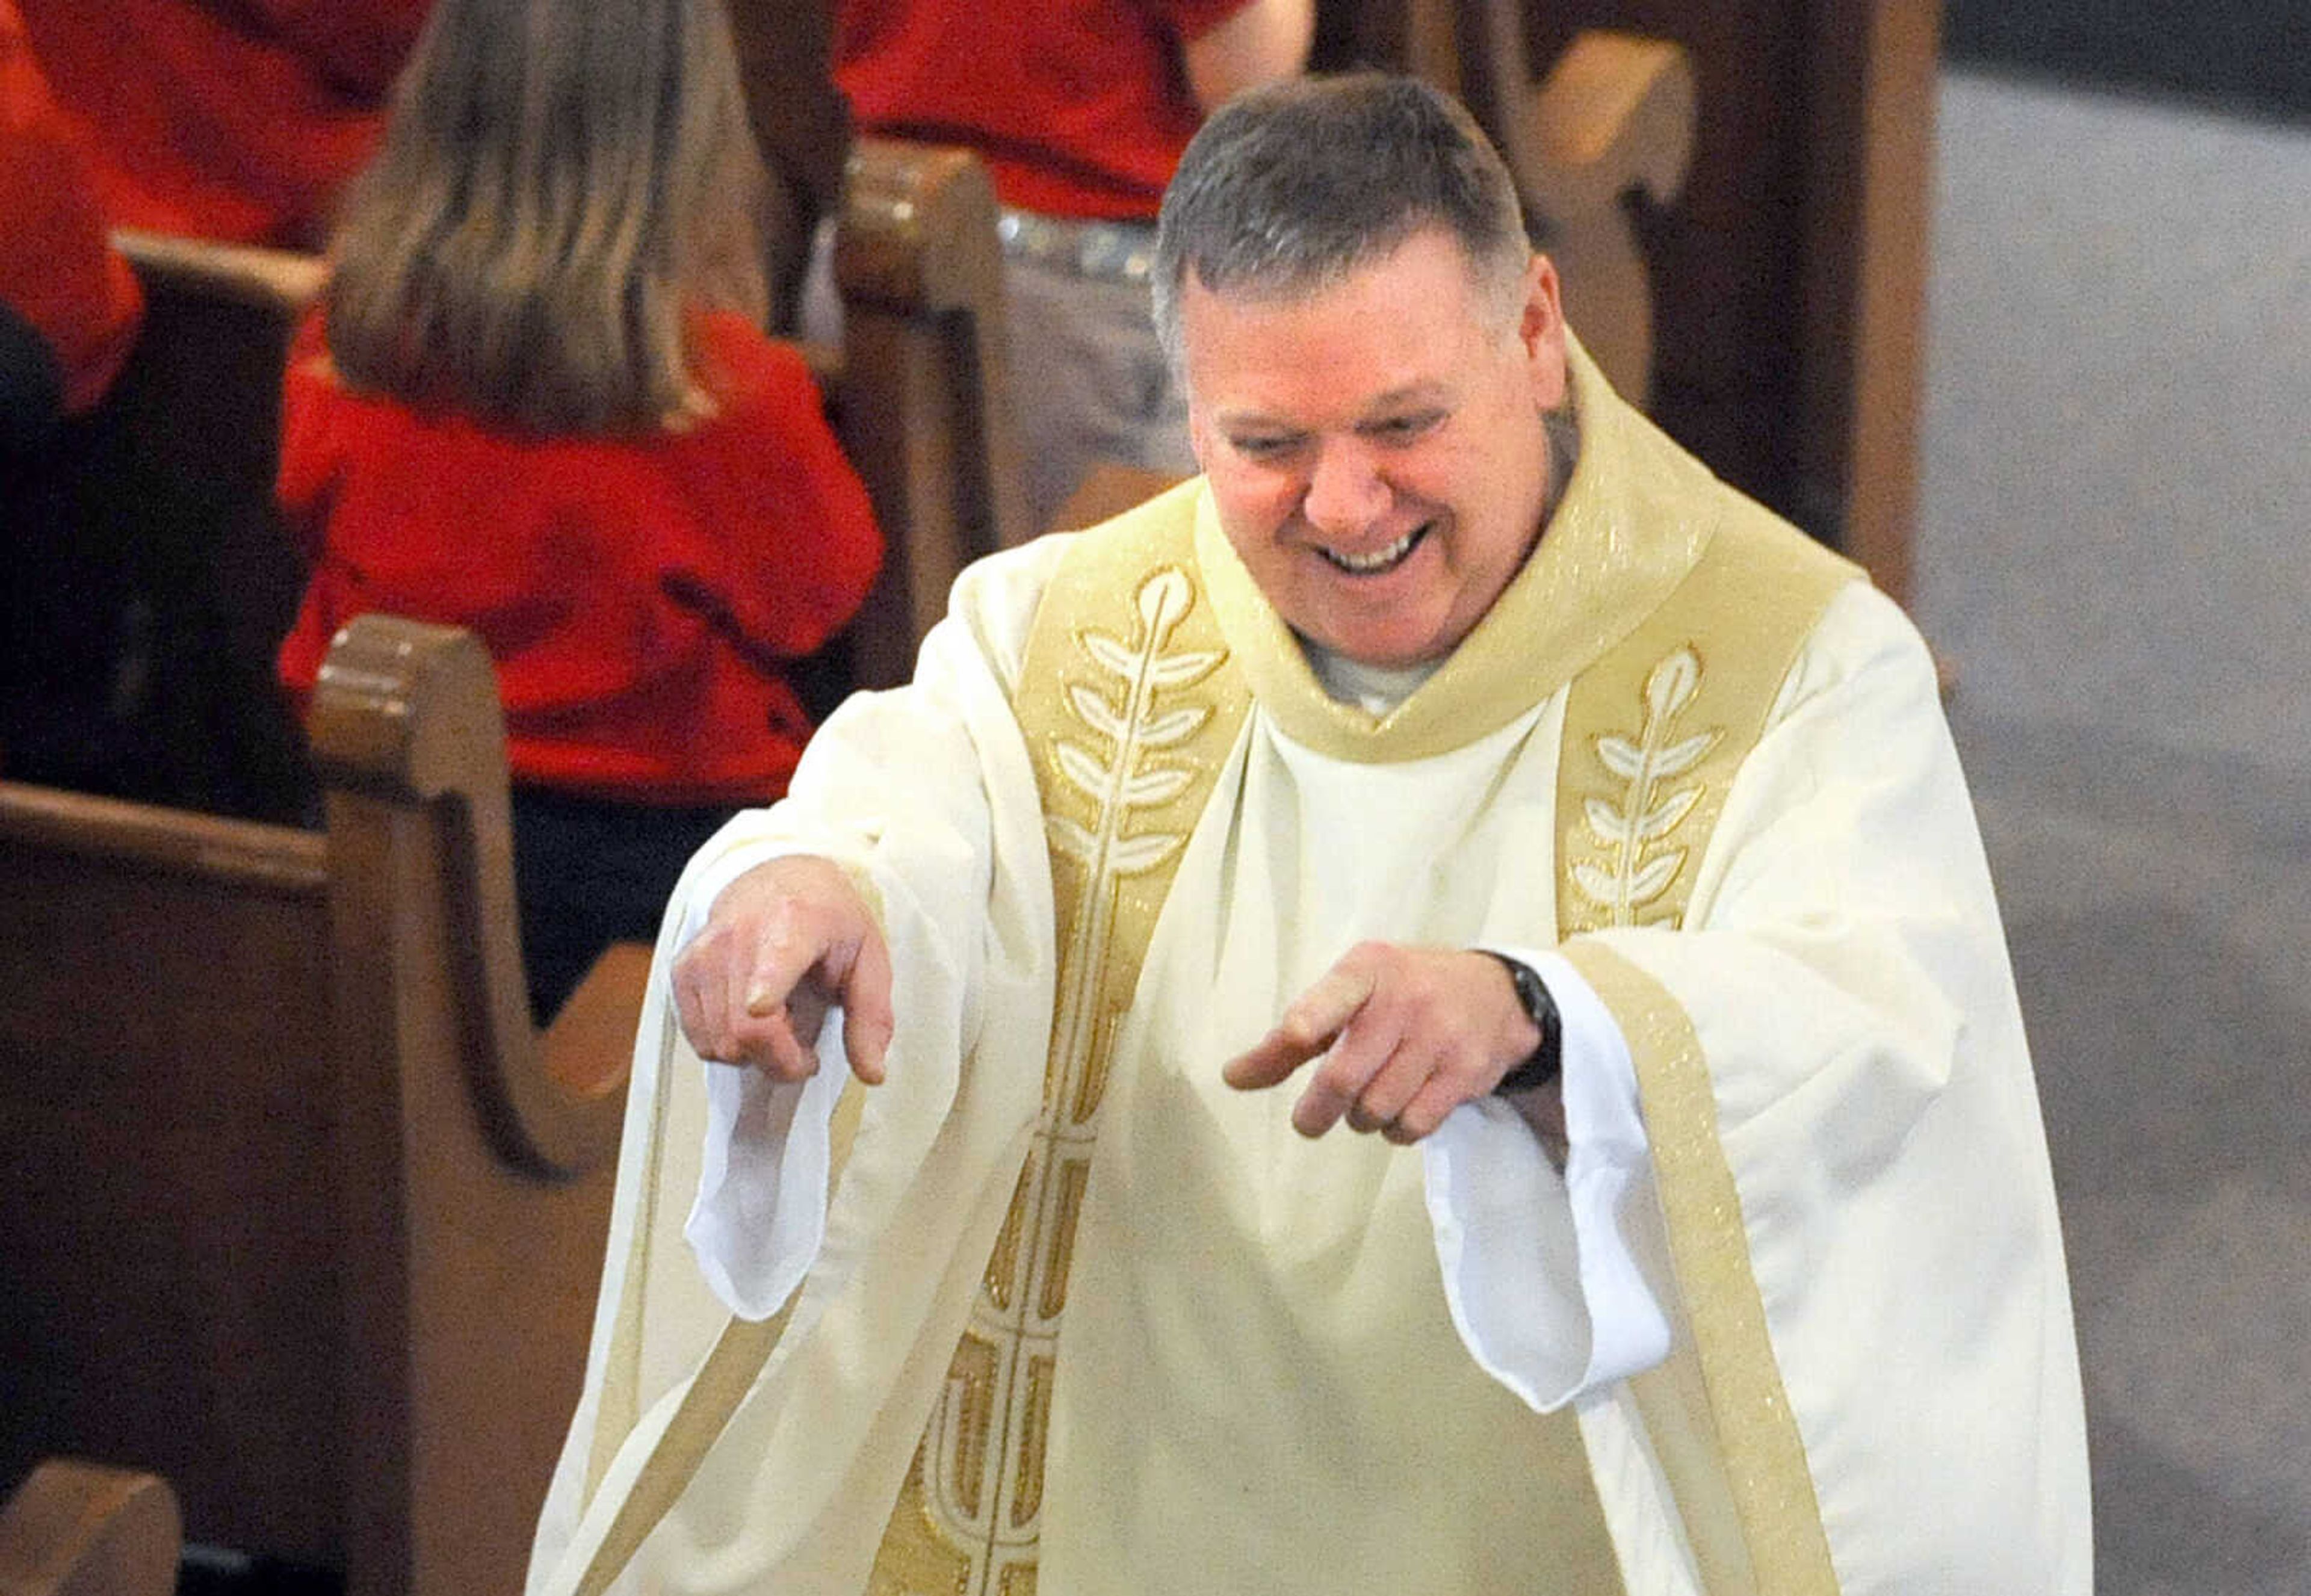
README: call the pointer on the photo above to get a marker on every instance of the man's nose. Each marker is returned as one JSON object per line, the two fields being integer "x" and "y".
{"x": 1346, "y": 491}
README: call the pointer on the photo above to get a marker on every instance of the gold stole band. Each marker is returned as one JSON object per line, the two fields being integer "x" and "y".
{"x": 1654, "y": 735}
{"x": 1129, "y": 716}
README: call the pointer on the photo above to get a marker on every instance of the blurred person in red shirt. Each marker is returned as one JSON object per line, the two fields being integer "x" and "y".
{"x": 69, "y": 303}
{"x": 232, "y": 120}
{"x": 1080, "y": 111}
{"x": 536, "y": 401}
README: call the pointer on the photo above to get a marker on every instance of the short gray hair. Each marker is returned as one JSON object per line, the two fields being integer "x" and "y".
{"x": 1290, "y": 187}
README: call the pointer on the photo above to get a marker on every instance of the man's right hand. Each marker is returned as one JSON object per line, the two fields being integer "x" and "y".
{"x": 784, "y": 942}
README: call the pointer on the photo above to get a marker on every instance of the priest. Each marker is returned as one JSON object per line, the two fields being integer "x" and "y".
{"x": 1423, "y": 1012}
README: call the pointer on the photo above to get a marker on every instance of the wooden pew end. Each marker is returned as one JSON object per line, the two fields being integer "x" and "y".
{"x": 1619, "y": 111}
{"x": 1108, "y": 489}
{"x": 80, "y": 1529}
{"x": 588, "y": 1047}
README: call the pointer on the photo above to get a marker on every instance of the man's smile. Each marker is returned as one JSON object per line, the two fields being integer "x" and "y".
{"x": 1379, "y": 560}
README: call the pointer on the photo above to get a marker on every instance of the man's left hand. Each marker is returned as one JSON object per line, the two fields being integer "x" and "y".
{"x": 1407, "y": 1036}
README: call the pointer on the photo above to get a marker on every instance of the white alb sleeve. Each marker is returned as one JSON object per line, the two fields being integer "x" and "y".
{"x": 760, "y": 1216}
{"x": 759, "y": 1220}
{"x": 1541, "y": 1267}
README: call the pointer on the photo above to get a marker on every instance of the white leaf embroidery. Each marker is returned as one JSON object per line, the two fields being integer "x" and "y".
{"x": 1079, "y": 767}
{"x": 1158, "y": 785}
{"x": 1650, "y": 810}
{"x": 1653, "y": 878}
{"x": 1126, "y": 716}
{"x": 1134, "y": 856}
{"x": 1621, "y": 756}
{"x": 1667, "y": 814}
{"x": 1164, "y": 598}
{"x": 1070, "y": 839}
{"x": 1117, "y": 658}
{"x": 1680, "y": 757}
{"x": 1175, "y": 726}
{"x": 1672, "y": 685}
{"x": 1174, "y": 671}
{"x": 1093, "y": 709}
{"x": 1608, "y": 825}
{"x": 1597, "y": 883}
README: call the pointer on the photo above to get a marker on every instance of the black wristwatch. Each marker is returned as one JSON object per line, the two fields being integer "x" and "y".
{"x": 1541, "y": 1008}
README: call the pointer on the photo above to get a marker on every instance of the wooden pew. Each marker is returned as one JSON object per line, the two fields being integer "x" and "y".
{"x": 1108, "y": 489}
{"x": 151, "y": 577}
{"x": 917, "y": 389}
{"x": 1789, "y": 277}
{"x": 302, "y": 1216}
{"x": 80, "y": 1528}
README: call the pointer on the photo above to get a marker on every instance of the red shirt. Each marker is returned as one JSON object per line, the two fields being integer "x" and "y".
{"x": 57, "y": 270}
{"x": 235, "y": 119}
{"x": 635, "y": 593}
{"x": 1079, "y": 107}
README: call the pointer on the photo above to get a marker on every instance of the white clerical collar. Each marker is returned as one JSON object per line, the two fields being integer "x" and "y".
{"x": 1376, "y": 689}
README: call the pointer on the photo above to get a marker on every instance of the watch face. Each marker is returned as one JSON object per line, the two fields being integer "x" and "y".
{"x": 1532, "y": 994}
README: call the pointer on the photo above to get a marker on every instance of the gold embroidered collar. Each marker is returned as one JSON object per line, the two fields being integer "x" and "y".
{"x": 1633, "y": 523}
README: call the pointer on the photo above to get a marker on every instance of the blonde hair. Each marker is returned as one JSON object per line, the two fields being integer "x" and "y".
{"x": 562, "y": 186}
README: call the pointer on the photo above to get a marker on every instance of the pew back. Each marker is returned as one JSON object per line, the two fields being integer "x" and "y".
{"x": 74, "y": 1528}
{"x": 149, "y": 575}
{"x": 301, "y": 1214}
{"x": 918, "y": 387}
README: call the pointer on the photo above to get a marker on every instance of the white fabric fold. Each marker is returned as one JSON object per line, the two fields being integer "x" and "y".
{"x": 1543, "y": 1285}
{"x": 760, "y": 1216}
{"x": 761, "y": 1213}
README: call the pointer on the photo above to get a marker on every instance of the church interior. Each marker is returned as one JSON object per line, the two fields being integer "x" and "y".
{"x": 2111, "y": 548}
{"x": 2009, "y": 302}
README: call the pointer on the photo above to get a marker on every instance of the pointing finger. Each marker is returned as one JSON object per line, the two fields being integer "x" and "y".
{"x": 1307, "y": 1028}
{"x": 1270, "y": 1060}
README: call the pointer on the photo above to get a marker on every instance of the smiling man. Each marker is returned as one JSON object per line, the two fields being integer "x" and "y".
{"x": 1457, "y": 762}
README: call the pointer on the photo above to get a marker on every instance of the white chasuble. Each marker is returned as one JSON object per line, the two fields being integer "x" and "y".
{"x": 1071, "y": 1316}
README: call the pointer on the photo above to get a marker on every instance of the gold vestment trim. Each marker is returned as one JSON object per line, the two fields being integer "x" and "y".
{"x": 1129, "y": 714}
{"x": 1655, "y": 735}
{"x": 1758, "y": 1446}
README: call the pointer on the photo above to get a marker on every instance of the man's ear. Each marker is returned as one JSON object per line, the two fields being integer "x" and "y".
{"x": 1540, "y": 328}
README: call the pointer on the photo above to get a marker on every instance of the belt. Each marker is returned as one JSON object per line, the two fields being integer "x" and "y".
{"x": 1107, "y": 251}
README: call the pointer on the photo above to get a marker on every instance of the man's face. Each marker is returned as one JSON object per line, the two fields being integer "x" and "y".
{"x": 1376, "y": 448}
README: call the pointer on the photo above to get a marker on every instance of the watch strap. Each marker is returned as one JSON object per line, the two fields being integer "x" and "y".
{"x": 1546, "y": 1062}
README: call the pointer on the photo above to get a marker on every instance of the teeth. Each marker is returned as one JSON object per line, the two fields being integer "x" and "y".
{"x": 1378, "y": 559}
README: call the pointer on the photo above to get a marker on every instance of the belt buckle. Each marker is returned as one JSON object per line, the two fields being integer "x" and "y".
{"x": 1112, "y": 253}
{"x": 1103, "y": 251}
